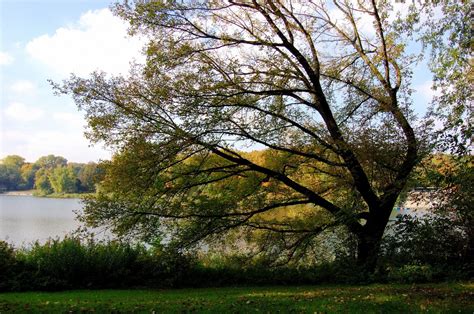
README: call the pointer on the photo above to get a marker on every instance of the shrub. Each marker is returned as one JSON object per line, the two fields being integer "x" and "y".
{"x": 73, "y": 264}
{"x": 158, "y": 268}
{"x": 55, "y": 264}
{"x": 70, "y": 263}
{"x": 7, "y": 264}
{"x": 411, "y": 274}
{"x": 112, "y": 264}
{"x": 434, "y": 240}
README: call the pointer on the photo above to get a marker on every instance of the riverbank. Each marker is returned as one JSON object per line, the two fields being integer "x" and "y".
{"x": 37, "y": 193}
{"x": 19, "y": 193}
{"x": 63, "y": 195}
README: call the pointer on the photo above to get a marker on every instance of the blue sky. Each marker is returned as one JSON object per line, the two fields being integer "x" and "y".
{"x": 48, "y": 39}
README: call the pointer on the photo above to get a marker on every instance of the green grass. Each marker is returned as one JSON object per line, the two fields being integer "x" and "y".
{"x": 434, "y": 298}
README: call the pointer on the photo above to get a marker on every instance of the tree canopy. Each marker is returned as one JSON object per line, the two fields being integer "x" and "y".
{"x": 448, "y": 34}
{"x": 321, "y": 87}
{"x": 48, "y": 174}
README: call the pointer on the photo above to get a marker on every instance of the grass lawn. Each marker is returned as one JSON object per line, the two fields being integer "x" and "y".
{"x": 434, "y": 298}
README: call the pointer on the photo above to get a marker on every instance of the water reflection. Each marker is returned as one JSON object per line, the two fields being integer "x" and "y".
{"x": 25, "y": 219}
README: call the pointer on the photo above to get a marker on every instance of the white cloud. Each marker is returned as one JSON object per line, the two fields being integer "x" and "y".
{"x": 5, "y": 58}
{"x": 22, "y": 113}
{"x": 71, "y": 145}
{"x": 425, "y": 90}
{"x": 99, "y": 41}
{"x": 23, "y": 86}
{"x": 70, "y": 119}
{"x": 58, "y": 133}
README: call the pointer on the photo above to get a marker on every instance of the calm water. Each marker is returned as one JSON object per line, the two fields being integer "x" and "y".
{"x": 25, "y": 219}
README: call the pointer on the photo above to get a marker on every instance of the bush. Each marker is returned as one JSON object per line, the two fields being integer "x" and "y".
{"x": 159, "y": 269}
{"x": 113, "y": 264}
{"x": 411, "y": 274}
{"x": 73, "y": 264}
{"x": 7, "y": 265}
{"x": 56, "y": 264}
{"x": 69, "y": 263}
{"x": 216, "y": 270}
{"x": 433, "y": 240}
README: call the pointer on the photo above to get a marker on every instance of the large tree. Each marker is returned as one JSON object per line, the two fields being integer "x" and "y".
{"x": 448, "y": 37}
{"x": 63, "y": 180}
{"x": 322, "y": 86}
{"x": 10, "y": 175}
{"x": 51, "y": 162}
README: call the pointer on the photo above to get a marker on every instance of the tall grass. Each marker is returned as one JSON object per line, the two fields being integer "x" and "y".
{"x": 70, "y": 263}
{"x": 74, "y": 264}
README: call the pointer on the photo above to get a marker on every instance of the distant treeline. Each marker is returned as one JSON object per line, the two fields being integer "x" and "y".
{"x": 49, "y": 174}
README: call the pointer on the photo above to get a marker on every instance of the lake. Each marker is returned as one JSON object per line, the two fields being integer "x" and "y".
{"x": 25, "y": 219}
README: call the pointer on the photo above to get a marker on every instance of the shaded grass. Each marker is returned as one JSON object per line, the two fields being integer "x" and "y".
{"x": 435, "y": 298}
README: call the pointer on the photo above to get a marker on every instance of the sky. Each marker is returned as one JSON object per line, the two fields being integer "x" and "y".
{"x": 50, "y": 39}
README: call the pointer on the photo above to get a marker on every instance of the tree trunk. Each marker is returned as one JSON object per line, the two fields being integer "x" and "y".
{"x": 370, "y": 239}
{"x": 368, "y": 249}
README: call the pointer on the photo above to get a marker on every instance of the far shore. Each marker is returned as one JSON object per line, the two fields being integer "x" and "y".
{"x": 19, "y": 193}
{"x": 35, "y": 193}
